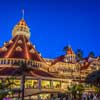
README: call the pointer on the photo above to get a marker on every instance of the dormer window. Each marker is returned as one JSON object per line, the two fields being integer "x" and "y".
{"x": 4, "y": 49}
{"x": 20, "y": 41}
{"x": 18, "y": 48}
{"x": 10, "y": 41}
{"x": 28, "y": 43}
{"x": 32, "y": 51}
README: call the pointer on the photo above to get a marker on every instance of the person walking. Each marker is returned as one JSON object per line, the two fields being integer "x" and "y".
{"x": 95, "y": 98}
{"x": 84, "y": 96}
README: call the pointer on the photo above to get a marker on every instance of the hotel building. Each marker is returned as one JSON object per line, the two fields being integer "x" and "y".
{"x": 47, "y": 76}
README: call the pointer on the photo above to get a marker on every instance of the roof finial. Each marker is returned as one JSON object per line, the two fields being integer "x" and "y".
{"x": 23, "y": 14}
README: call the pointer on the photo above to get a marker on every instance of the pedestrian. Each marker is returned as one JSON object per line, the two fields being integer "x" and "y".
{"x": 95, "y": 98}
{"x": 67, "y": 97}
{"x": 84, "y": 96}
{"x": 91, "y": 96}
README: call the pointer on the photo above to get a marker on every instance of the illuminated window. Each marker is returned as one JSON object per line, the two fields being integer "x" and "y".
{"x": 15, "y": 83}
{"x": 56, "y": 84}
{"x": 28, "y": 84}
{"x": 31, "y": 84}
{"x": 45, "y": 96}
{"x": 34, "y": 97}
{"x": 35, "y": 84}
{"x": 45, "y": 84}
{"x": 64, "y": 85}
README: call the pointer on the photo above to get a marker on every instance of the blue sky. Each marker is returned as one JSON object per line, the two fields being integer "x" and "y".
{"x": 54, "y": 24}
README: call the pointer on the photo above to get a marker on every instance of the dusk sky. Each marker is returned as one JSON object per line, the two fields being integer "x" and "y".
{"x": 54, "y": 24}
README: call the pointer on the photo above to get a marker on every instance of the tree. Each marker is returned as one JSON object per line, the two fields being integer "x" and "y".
{"x": 5, "y": 88}
{"x": 97, "y": 90}
{"x": 94, "y": 78}
{"x": 23, "y": 68}
{"x": 79, "y": 55}
{"x": 91, "y": 54}
{"x": 65, "y": 48}
{"x": 76, "y": 89}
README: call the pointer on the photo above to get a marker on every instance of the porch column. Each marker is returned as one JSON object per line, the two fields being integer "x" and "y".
{"x": 51, "y": 84}
{"x": 40, "y": 82}
{"x": 61, "y": 84}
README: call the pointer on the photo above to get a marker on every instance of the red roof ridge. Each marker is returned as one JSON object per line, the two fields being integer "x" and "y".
{"x": 11, "y": 49}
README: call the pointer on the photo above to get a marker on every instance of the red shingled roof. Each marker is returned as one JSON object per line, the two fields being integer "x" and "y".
{"x": 34, "y": 72}
{"x": 58, "y": 59}
{"x": 25, "y": 52}
{"x": 61, "y": 59}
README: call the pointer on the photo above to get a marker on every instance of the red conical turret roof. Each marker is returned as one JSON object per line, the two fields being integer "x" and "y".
{"x": 20, "y": 46}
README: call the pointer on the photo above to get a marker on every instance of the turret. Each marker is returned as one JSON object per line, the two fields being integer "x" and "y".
{"x": 70, "y": 55}
{"x": 21, "y": 29}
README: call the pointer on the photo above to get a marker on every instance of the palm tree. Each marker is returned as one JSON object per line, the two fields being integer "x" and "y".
{"x": 72, "y": 90}
{"x": 65, "y": 48}
{"x": 91, "y": 54}
{"x": 80, "y": 89}
{"x": 79, "y": 57}
{"x": 23, "y": 68}
{"x": 97, "y": 90}
{"x": 94, "y": 79}
{"x": 76, "y": 89}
